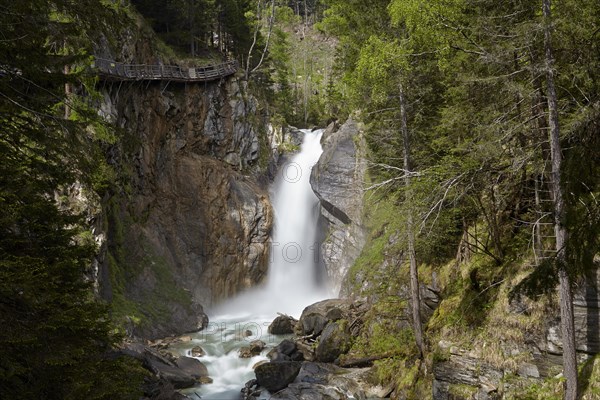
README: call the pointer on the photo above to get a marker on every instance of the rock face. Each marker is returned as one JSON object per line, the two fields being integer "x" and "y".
{"x": 195, "y": 224}
{"x": 337, "y": 180}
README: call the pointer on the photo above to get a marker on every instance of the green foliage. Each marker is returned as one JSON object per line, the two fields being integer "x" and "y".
{"x": 589, "y": 377}
{"x": 471, "y": 79}
{"x": 55, "y": 336}
{"x": 550, "y": 388}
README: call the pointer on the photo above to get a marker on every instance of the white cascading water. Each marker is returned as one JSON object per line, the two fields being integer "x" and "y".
{"x": 291, "y": 285}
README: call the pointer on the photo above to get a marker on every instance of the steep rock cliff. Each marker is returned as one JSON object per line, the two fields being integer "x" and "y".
{"x": 192, "y": 226}
{"x": 338, "y": 181}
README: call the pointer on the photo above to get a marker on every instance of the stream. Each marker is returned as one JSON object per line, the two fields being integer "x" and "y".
{"x": 292, "y": 283}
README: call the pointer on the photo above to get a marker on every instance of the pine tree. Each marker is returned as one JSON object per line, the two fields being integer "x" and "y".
{"x": 55, "y": 336}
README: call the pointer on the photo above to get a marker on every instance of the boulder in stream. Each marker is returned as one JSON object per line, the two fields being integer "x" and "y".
{"x": 275, "y": 376}
{"x": 315, "y": 317}
{"x": 197, "y": 351}
{"x": 282, "y": 325}
{"x": 254, "y": 349}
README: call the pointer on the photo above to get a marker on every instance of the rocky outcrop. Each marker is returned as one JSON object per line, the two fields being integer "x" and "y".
{"x": 181, "y": 372}
{"x": 537, "y": 357}
{"x": 194, "y": 227}
{"x": 320, "y": 381}
{"x": 337, "y": 180}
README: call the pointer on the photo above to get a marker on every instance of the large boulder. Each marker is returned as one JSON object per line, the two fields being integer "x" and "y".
{"x": 315, "y": 317}
{"x": 335, "y": 341}
{"x": 192, "y": 367}
{"x": 282, "y": 325}
{"x": 275, "y": 376}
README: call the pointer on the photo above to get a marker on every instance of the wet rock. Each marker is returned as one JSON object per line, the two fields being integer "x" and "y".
{"x": 294, "y": 136}
{"x": 157, "y": 389}
{"x": 282, "y": 325}
{"x": 205, "y": 380}
{"x": 250, "y": 390}
{"x": 197, "y": 351}
{"x": 276, "y": 356}
{"x": 275, "y": 376}
{"x": 259, "y": 363}
{"x": 254, "y": 349}
{"x": 192, "y": 367}
{"x": 335, "y": 341}
{"x": 245, "y": 352}
{"x": 257, "y": 346}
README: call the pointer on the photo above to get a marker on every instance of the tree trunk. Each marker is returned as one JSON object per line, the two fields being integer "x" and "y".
{"x": 414, "y": 273}
{"x": 537, "y": 242}
{"x": 268, "y": 40}
{"x": 68, "y": 91}
{"x": 566, "y": 295}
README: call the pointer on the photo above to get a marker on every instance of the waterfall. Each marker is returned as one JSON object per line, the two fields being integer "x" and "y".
{"x": 291, "y": 284}
{"x": 292, "y": 272}
{"x": 292, "y": 281}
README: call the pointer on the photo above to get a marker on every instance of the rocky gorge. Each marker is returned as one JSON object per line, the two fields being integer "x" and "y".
{"x": 337, "y": 351}
{"x": 194, "y": 211}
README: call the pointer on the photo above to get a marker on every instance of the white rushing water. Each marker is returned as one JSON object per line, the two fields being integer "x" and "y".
{"x": 292, "y": 283}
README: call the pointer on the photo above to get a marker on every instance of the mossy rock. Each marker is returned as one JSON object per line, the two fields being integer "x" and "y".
{"x": 335, "y": 341}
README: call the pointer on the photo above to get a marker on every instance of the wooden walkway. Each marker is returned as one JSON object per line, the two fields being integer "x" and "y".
{"x": 109, "y": 70}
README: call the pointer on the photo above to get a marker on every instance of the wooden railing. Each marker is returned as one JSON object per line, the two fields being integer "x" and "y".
{"x": 111, "y": 70}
